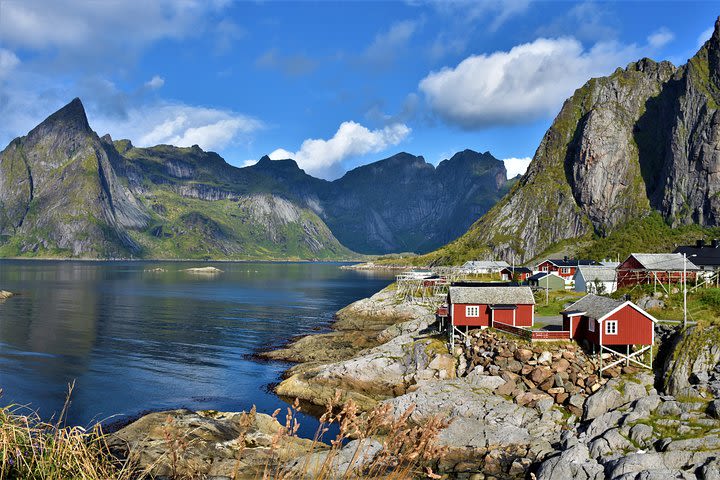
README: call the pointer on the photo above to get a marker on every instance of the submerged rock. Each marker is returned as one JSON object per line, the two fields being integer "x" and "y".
{"x": 4, "y": 294}
{"x": 205, "y": 270}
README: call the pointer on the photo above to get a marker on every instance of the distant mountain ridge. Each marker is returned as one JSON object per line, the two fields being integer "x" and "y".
{"x": 66, "y": 192}
{"x": 641, "y": 143}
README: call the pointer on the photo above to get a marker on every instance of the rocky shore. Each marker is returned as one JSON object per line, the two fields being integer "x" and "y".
{"x": 517, "y": 409}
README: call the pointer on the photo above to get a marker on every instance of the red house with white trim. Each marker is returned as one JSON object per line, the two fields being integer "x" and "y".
{"x": 604, "y": 321}
{"x": 565, "y": 268}
{"x": 475, "y": 307}
{"x": 654, "y": 269}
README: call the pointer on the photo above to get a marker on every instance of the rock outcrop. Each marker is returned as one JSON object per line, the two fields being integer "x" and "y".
{"x": 643, "y": 139}
{"x": 207, "y": 444}
{"x": 630, "y": 431}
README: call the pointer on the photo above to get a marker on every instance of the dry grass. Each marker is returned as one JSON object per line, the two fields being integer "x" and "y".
{"x": 33, "y": 449}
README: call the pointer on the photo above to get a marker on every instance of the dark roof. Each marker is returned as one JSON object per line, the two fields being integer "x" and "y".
{"x": 518, "y": 269}
{"x": 492, "y": 295}
{"x": 705, "y": 256}
{"x": 541, "y": 275}
{"x": 594, "y": 306}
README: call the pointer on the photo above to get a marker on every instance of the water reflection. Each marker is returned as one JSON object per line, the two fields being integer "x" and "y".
{"x": 137, "y": 340}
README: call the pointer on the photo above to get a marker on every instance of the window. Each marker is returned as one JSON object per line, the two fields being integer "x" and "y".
{"x": 472, "y": 311}
{"x": 566, "y": 270}
{"x": 591, "y": 324}
{"x": 611, "y": 327}
{"x": 544, "y": 268}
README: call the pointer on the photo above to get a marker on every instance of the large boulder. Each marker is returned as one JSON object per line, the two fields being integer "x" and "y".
{"x": 616, "y": 393}
{"x": 573, "y": 463}
{"x": 186, "y": 444}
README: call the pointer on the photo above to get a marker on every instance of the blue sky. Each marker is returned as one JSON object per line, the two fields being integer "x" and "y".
{"x": 332, "y": 84}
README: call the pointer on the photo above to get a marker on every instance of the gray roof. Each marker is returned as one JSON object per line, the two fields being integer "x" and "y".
{"x": 492, "y": 295}
{"x": 663, "y": 261}
{"x": 597, "y": 272}
{"x": 594, "y": 306}
{"x": 607, "y": 263}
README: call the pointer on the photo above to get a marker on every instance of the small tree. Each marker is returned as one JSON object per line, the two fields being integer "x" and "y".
{"x": 598, "y": 287}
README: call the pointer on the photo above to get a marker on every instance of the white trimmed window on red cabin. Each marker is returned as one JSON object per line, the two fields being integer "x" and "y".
{"x": 566, "y": 270}
{"x": 472, "y": 311}
{"x": 611, "y": 327}
{"x": 544, "y": 268}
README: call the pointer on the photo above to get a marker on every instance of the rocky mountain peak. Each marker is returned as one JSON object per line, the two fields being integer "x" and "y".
{"x": 69, "y": 119}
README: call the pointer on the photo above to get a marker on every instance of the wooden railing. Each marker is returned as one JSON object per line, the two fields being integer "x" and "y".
{"x": 517, "y": 331}
{"x": 533, "y": 335}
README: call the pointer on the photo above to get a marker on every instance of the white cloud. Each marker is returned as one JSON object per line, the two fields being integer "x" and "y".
{"x": 181, "y": 125}
{"x": 704, "y": 36}
{"x": 660, "y": 38}
{"x": 516, "y": 166}
{"x": 84, "y": 34}
{"x": 493, "y": 13}
{"x": 319, "y": 157}
{"x": 8, "y": 61}
{"x": 387, "y": 45}
{"x": 155, "y": 82}
{"x": 523, "y": 84}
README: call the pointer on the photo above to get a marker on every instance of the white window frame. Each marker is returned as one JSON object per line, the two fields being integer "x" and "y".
{"x": 566, "y": 270}
{"x": 472, "y": 311}
{"x": 544, "y": 268}
{"x": 614, "y": 323}
{"x": 591, "y": 324}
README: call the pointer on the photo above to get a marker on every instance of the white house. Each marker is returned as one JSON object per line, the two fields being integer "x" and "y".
{"x": 483, "y": 266}
{"x": 597, "y": 279}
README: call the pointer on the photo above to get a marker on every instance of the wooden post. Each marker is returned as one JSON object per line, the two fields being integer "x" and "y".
{"x": 627, "y": 355}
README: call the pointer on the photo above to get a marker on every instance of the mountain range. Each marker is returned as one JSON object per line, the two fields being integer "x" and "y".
{"x": 67, "y": 192}
{"x": 633, "y": 157}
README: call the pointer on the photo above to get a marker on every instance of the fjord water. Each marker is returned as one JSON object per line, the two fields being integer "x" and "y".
{"x": 135, "y": 340}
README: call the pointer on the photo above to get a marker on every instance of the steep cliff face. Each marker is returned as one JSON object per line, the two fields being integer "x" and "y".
{"x": 404, "y": 203}
{"x": 59, "y": 192}
{"x": 65, "y": 192}
{"x": 643, "y": 139}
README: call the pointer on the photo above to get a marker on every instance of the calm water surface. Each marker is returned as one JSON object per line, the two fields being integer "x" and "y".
{"x": 134, "y": 340}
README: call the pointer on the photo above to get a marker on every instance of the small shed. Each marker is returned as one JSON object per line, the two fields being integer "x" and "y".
{"x": 596, "y": 279}
{"x": 655, "y": 269}
{"x": 482, "y": 306}
{"x": 519, "y": 274}
{"x": 550, "y": 281}
{"x": 609, "y": 324}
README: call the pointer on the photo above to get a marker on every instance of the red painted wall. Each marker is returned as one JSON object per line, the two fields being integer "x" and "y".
{"x": 460, "y": 319}
{"x": 634, "y": 328}
{"x": 626, "y": 277}
{"x": 523, "y": 316}
{"x": 558, "y": 270}
{"x": 503, "y": 316}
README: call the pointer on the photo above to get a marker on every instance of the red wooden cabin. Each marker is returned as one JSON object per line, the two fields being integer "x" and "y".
{"x": 482, "y": 306}
{"x": 566, "y": 267}
{"x": 655, "y": 268}
{"x": 605, "y": 321}
{"x": 515, "y": 273}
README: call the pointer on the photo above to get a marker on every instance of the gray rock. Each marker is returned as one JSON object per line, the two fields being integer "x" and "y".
{"x": 614, "y": 394}
{"x": 714, "y": 409}
{"x": 573, "y": 463}
{"x": 641, "y": 434}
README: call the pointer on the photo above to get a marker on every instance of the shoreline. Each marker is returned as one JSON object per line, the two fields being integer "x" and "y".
{"x": 168, "y": 260}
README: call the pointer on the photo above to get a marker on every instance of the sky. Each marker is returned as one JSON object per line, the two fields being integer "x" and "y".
{"x": 333, "y": 85}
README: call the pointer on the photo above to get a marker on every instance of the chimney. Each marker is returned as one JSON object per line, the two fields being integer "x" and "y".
{"x": 565, "y": 258}
{"x": 715, "y": 243}
{"x": 700, "y": 243}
